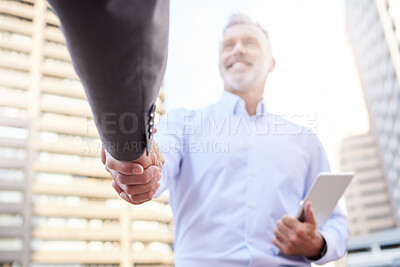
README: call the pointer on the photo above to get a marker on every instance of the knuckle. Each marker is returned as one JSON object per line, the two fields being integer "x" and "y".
{"x": 147, "y": 189}
{"x": 130, "y": 190}
{"x": 117, "y": 176}
{"x": 110, "y": 164}
{"x": 152, "y": 184}
{"x": 122, "y": 179}
{"x": 124, "y": 188}
{"x": 114, "y": 175}
{"x": 135, "y": 199}
{"x": 152, "y": 173}
{"x": 300, "y": 232}
{"x": 145, "y": 177}
{"x": 107, "y": 167}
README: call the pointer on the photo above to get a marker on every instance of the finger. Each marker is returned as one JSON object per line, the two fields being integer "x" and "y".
{"x": 149, "y": 174}
{"x": 289, "y": 221}
{"x": 278, "y": 243}
{"x": 125, "y": 197}
{"x": 136, "y": 199}
{"x": 114, "y": 175}
{"x": 116, "y": 187}
{"x": 280, "y": 236}
{"x": 145, "y": 200}
{"x": 309, "y": 214}
{"x": 128, "y": 168}
{"x": 283, "y": 228}
{"x": 140, "y": 189}
{"x": 156, "y": 156}
{"x": 127, "y": 192}
{"x": 103, "y": 155}
{"x": 146, "y": 159}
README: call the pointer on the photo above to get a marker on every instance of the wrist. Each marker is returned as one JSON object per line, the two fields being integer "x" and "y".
{"x": 322, "y": 249}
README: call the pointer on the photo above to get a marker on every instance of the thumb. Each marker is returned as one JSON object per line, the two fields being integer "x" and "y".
{"x": 144, "y": 160}
{"x": 309, "y": 214}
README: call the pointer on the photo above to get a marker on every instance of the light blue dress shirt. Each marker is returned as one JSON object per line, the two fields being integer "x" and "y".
{"x": 231, "y": 176}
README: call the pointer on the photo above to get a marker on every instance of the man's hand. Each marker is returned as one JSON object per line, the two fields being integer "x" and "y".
{"x": 293, "y": 237}
{"x": 135, "y": 182}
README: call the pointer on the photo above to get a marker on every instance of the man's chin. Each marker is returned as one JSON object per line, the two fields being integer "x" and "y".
{"x": 239, "y": 86}
{"x": 238, "y": 83}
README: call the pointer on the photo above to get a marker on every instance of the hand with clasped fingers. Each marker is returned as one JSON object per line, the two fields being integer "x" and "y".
{"x": 135, "y": 182}
{"x": 294, "y": 237}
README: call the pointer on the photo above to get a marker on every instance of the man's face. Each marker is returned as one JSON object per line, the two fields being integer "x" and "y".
{"x": 245, "y": 57}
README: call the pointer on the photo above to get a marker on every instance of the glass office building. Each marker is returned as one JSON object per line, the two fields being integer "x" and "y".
{"x": 373, "y": 28}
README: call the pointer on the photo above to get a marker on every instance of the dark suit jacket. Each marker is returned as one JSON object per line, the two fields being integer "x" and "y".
{"x": 119, "y": 51}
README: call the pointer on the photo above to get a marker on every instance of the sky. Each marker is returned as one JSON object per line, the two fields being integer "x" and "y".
{"x": 315, "y": 73}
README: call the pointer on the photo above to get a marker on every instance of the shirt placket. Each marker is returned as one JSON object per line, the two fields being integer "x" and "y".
{"x": 251, "y": 182}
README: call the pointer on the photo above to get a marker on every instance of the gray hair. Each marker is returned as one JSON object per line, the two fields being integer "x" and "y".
{"x": 240, "y": 18}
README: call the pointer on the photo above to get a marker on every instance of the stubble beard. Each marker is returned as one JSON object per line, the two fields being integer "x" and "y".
{"x": 243, "y": 81}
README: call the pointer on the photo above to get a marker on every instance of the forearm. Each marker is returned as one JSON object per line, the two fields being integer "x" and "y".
{"x": 335, "y": 233}
{"x": 119, "y": 50}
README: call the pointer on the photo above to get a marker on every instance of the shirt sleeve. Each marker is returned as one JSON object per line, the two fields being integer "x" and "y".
{"x": 170, "y": 140}
{"x": 335, "y": 231}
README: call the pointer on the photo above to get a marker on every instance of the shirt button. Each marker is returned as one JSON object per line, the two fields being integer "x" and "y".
{"x": 251, "y": 205}
{"x": 251, "y": 173}
{"x": 250, "y": 241}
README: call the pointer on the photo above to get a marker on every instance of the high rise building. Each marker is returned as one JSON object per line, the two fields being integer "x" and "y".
{"x": 374, "y": 36}
{"x": 373, "y": 30}
{"x": 56, "y": 201}
{"x": 367, "y": 197}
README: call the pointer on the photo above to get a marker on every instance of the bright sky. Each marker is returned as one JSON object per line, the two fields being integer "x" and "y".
{"x": 315, "y": 72}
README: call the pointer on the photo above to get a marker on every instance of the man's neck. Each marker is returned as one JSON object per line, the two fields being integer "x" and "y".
{"x": 251, "y": 97}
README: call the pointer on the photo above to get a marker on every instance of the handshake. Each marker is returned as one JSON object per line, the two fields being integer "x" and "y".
{"x": 135, "y": 182}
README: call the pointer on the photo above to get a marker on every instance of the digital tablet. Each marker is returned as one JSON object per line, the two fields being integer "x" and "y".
{"x": 324, "y": 195}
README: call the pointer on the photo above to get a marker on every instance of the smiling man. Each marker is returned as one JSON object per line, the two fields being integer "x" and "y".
{"x": 235, "y": 206}
{"x": 245, "y": 60}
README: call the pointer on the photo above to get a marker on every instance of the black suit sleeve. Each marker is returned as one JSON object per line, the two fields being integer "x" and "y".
{"x": 119, "y": 51}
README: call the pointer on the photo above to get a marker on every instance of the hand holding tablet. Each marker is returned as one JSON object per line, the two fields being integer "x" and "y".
{"x": 324, "y": 195}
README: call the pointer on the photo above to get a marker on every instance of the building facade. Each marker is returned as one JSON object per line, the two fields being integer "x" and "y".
{"x": 375, "y": 39}
{"x": 373, "y": 31}
{"x": 367, "y": 197}
{"x": 57, "y": 206}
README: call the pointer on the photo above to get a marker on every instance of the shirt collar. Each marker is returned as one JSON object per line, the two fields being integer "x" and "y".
{"x": 235, "y": 104}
